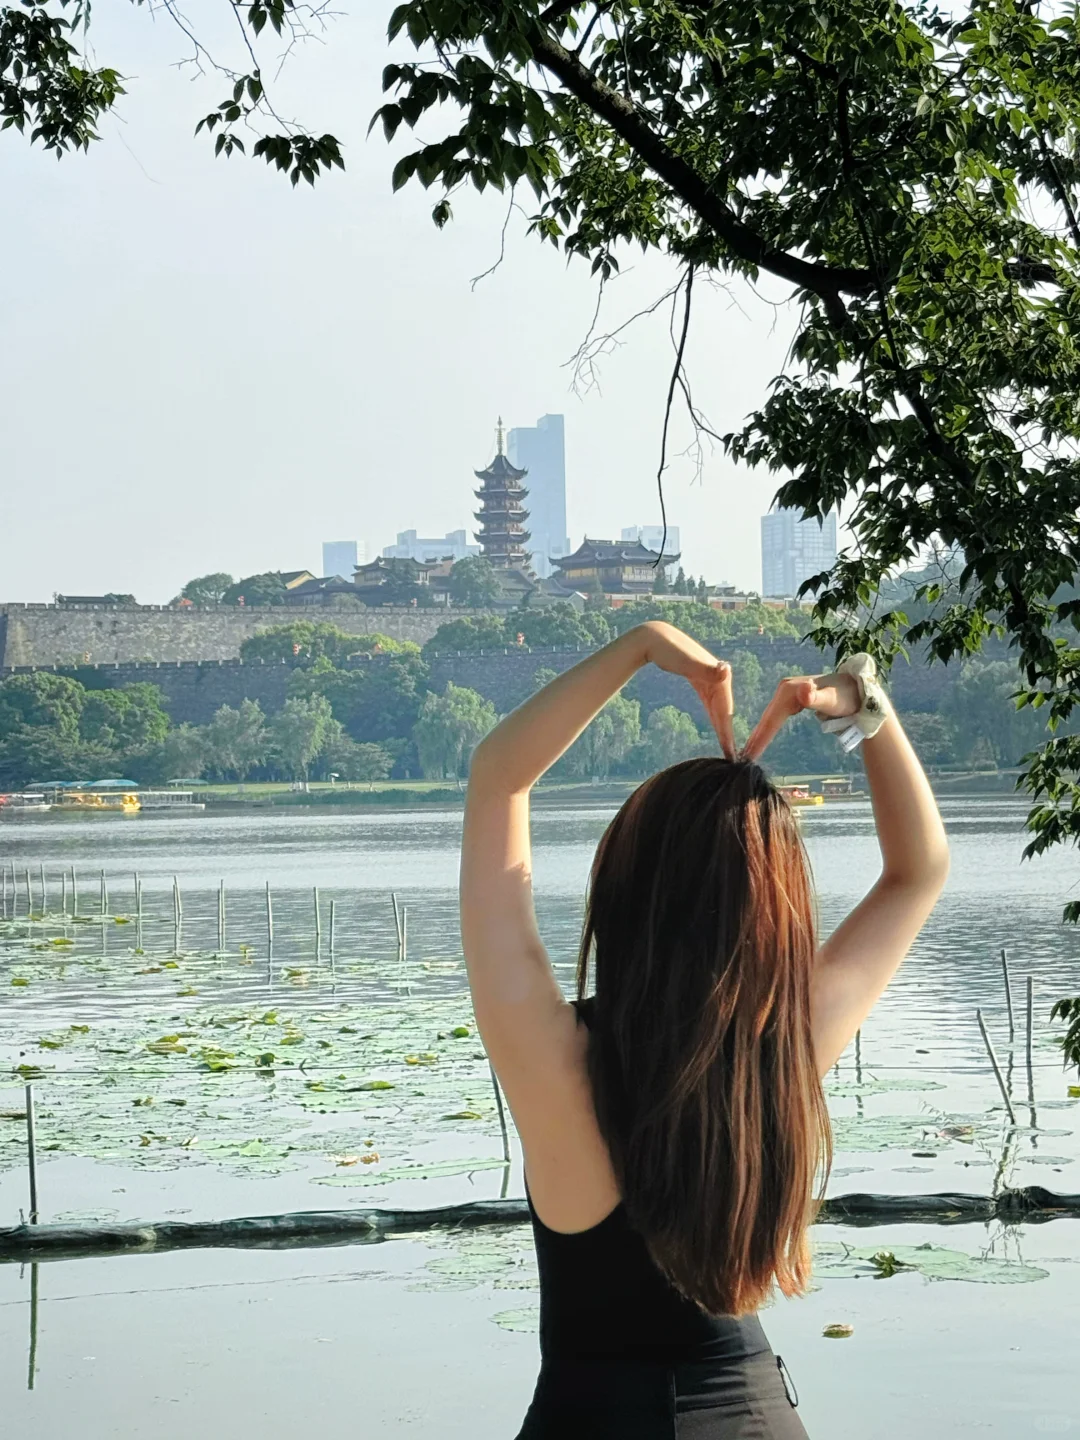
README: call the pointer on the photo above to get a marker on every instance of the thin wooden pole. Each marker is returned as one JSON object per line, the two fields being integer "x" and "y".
{"x": 333, "y": 916}
{"x": 221, "y": 917}
{"x": 404, "y": 933}
{"x": 74, "y": 894}
{"x": 177, "y": 914}
{"x": 1008, "y": 991}
{"x": 31, "y": 1154}
{"x": 3, "y": 873}
{"x": 996, "y": 1067}
{"x": 502, "y": 1113}
{"x": 29, "y": 896}
{"x": 318, "y": 920}
{"x": 104, "y": 896}
{"x": 44, "y": 890}
{"x": 269, "y": 924}
{"x": 397, "y": 921}
{"x": 63, "y": 893}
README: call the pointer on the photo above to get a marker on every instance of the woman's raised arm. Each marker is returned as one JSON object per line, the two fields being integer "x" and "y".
{"x": 863, "y": 953}
{"x": 524, "y": 1021}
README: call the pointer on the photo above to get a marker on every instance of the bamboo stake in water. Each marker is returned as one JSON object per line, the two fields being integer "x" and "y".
{"x": 63, "y": 893}
{"x": 1008, "y": 991}
{"x": 3, "y": 874}
{"x": 269, "y": 924}
{"x": 333, "y": 913}
{"x": 397, "y": 922}
{"x": 996, "y": 1067}
{"x": 104, "y": 896}
{"x": 31, "y": 1154}
{"x": 404, "y": 933}
{"x": 502, "y": 1113}
{"x": 74, "y": 894}
{"x": 318, "y": 920}
{"x": 221, "y": 917}
{"x": 138, "y": 912}
{"x": 178, "y": 914}
{"x": 29, "y": 896}
{"x": 44, "y": 892}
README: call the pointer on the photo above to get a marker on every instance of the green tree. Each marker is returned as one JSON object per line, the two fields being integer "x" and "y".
{"x": 237, "y": 740}
{"x": 746, "y": 681}
{"x": 305, "y": 641}
{"x": 130, "y": 718}
{"x": 470, "y": 633}
{"x": 473, "y": 581}
{"x": 184, "y": 753}
{"x": 375, "y": 702}
{"x": 449, "y": 728}
{"x": 298, "y": 733}
{"x": 558, "y": 626}
{"x": 207, "y": 589}
{"x": 931, "y": 736}
{"x": 607, "y": 740}
{"x": 984, "y": 719}
{"x": 544, "y": 676}
{"x": 352, "y": 761}
{"x": 267, "y": 588}
{"x": 670, "y": 736}
{"x": 660, "y": 584}
{"x": 41, "y": 699}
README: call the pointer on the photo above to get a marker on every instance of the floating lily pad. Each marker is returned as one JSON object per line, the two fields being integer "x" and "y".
{"x": 525, "y": 1321}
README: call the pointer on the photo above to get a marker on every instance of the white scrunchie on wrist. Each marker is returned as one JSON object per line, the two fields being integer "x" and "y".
{"x": 852, "y": 730}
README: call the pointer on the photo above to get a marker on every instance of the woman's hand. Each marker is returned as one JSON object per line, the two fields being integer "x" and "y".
{"x": 669, "y": 649}
{"x": 829, "y": 696}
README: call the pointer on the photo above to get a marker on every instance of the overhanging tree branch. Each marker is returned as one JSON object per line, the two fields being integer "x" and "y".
{"x": 827, "y": 282}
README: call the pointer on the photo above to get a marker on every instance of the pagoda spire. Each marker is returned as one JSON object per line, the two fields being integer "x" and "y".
{"x": 499, "y": 437}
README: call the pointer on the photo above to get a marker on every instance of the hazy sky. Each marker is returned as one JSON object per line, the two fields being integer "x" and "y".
{"x": 203, "y": 369}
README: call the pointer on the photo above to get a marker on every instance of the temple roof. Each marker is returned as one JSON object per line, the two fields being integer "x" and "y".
{"x": 501, "y": 469}
{"x": 608, "y": 552}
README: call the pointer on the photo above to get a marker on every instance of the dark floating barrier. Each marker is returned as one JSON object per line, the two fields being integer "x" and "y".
{"x": 308, "y": 1228}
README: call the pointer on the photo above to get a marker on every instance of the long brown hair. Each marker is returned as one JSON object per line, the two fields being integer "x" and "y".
{"x": 700, "y": 927}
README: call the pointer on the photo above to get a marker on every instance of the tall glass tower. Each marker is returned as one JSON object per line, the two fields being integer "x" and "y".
{"x": 339, "y": 558}
{"x": 793, "y": 549}
{"x": 540, "y": 450}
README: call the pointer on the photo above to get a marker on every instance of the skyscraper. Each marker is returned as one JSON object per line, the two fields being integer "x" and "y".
{"x": 540, "y": 450}
{"x": 793, "y": 549}
{"x": 339, "y": 558}
{"x": 411, "y": 546}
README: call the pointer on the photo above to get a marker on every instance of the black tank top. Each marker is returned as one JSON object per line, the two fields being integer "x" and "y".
{"x": 603, "y": 1298}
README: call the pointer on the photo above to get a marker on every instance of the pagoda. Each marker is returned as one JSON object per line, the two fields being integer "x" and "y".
{"x": 502, "y": 514}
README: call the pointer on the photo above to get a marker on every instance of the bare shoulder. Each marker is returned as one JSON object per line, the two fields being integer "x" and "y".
{"x": 547, "y": 1086}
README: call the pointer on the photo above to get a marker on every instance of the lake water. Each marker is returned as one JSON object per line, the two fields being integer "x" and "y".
{"x": 202, "y": 1079}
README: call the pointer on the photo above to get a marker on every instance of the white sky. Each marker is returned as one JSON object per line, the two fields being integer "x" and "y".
{"x": 203, "y": 369}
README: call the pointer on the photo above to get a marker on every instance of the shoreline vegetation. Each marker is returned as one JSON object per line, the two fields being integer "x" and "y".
{"x": 419, "y": 794}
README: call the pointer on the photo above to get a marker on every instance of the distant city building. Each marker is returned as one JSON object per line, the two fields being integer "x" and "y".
{"x": 624, "y": 567}
{"x": 652, "y": 537}
{"x": 411, "y": 546}
{"x": 502, "y": 515}
{"x": 539, "y": 451}
{"x": 339, "y": 557}
{"x": 793, "y": 549}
